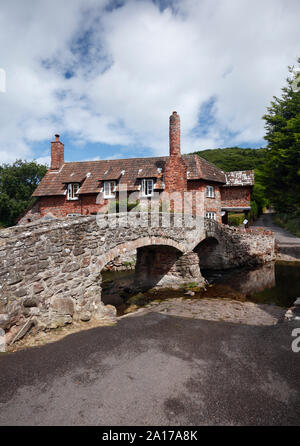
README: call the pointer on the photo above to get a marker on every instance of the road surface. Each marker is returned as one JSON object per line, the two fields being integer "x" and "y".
{"x": 156, "y": 369}
{"x": 288, "y": 245}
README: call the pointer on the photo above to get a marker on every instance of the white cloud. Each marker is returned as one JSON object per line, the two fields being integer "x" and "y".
{"x": 132, "y": 66}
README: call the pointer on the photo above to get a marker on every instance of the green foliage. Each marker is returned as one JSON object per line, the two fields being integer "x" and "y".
{"x": 114, "y": 206}
{"x": 236, "y": 219}
{"x": 281, "y": 173}
{"x": 17, "y": 183}
{"x": 292, "y": 224}
{"x": 234, "y": 158}
{"x": 255, "y": 211}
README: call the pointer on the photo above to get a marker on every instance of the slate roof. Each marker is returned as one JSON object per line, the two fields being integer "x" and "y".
{"x": 91, "y": 174}
{"x": 240, "y": 178}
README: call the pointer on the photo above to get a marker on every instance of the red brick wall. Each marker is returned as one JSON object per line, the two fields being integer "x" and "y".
{"x": 175, "y": 175}
{"x": 206, "y": 204}
{"x": 237, "y": 196}
{"x": 59, "y": 206}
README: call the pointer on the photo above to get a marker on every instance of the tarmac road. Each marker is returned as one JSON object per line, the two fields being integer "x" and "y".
{"x": 283, "y": 237}
{"x": 156, "y": 369}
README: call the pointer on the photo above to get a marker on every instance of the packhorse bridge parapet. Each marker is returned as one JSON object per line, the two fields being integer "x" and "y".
{"x": 50, "y": 272}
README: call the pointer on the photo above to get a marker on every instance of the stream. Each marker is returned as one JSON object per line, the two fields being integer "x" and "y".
{"x": 273, "y": 283}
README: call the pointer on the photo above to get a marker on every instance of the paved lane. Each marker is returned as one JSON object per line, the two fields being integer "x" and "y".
{"x": 156, "y": 370}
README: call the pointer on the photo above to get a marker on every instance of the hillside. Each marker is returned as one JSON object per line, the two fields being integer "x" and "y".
{"x": 234, "y": 158}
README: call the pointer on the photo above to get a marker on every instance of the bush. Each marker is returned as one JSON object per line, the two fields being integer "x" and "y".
{"x": 114, "y": 206}
{"x": 236, "y": 219}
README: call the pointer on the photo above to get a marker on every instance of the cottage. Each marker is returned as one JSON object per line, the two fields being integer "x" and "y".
{"x": 87, "y": 187}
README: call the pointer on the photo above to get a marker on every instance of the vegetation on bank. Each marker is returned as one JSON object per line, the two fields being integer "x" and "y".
{"x": 17, "y": 183}
{"x": 281, "y": 170}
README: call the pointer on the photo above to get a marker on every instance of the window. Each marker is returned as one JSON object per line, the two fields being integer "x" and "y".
{"x": 211, "y": 215}
{"x": 210, "y": 192}
{"x": 147, "y": 187}
{"x": 73, "y": 189}
{"x": 109, "y": 189}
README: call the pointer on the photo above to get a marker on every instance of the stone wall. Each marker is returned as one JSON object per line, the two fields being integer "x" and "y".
{"x": 228, "y": 247}
{"x": 164, "y": 266}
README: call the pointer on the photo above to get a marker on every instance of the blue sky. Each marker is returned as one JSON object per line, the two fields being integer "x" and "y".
{"x": 106, "y": 75}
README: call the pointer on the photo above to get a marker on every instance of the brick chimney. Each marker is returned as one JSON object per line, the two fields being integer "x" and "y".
{"x": 57, "y": 154}
{"x": 174, "y": 134}
{"x": 175, "y": 170}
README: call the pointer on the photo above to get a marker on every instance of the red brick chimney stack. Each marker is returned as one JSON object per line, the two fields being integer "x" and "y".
{"x": 175, "y": 170}
{"x": 57, "y": 154}
{"x": 174, "y": 133}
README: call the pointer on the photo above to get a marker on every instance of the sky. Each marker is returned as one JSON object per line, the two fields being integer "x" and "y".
{"x": 106, "y": 75}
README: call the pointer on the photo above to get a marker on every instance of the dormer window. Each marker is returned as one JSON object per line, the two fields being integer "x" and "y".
{"x": 210, "y": 192}
{"x": 72, "y": 191}
{"x": 147, "y": 187}
{"x": 109, "y": 189}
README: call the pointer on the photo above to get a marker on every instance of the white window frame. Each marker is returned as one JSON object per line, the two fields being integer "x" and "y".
{"x": 109, "y": 189}
{"x": 210, "y": 192}
{"x": 145, "y": 187}
{"x": 72, "y": 190}
{"x": 211, "y": 215}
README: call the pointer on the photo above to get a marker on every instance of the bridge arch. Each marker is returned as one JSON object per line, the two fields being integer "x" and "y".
{"x": 136, "y": 244}
{"x": 209, "y": 252}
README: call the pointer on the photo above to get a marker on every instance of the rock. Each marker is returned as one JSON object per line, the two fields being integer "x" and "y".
{"x": 71, "y": 267}
{"x": 34, "y": 311}
{"x": 107, "y": 313}
{"x": 112, "y": 299}
{"x": 4, "y": 321}
{"x": 21, "y": 292}
{"x": 13, "y": 279}
{"x": 131, "y": 309}
{"x": 38, "y": 288}
{"x": 85, "y": 316}
{"x": 190, "y": 293}
{"x": 63, "y": 305}
{"x": 30, "y": 302}
{"x": 59, "y": 321}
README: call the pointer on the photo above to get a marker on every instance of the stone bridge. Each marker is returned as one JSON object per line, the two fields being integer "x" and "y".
{"x": 50, "y": 272}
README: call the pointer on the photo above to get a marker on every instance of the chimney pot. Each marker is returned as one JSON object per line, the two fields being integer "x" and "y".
{"x": 57, "y": 137}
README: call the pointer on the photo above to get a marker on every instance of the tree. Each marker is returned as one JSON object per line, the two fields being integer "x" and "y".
{"x": 17, "y": 183}
{"x": 281, "y": 173}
